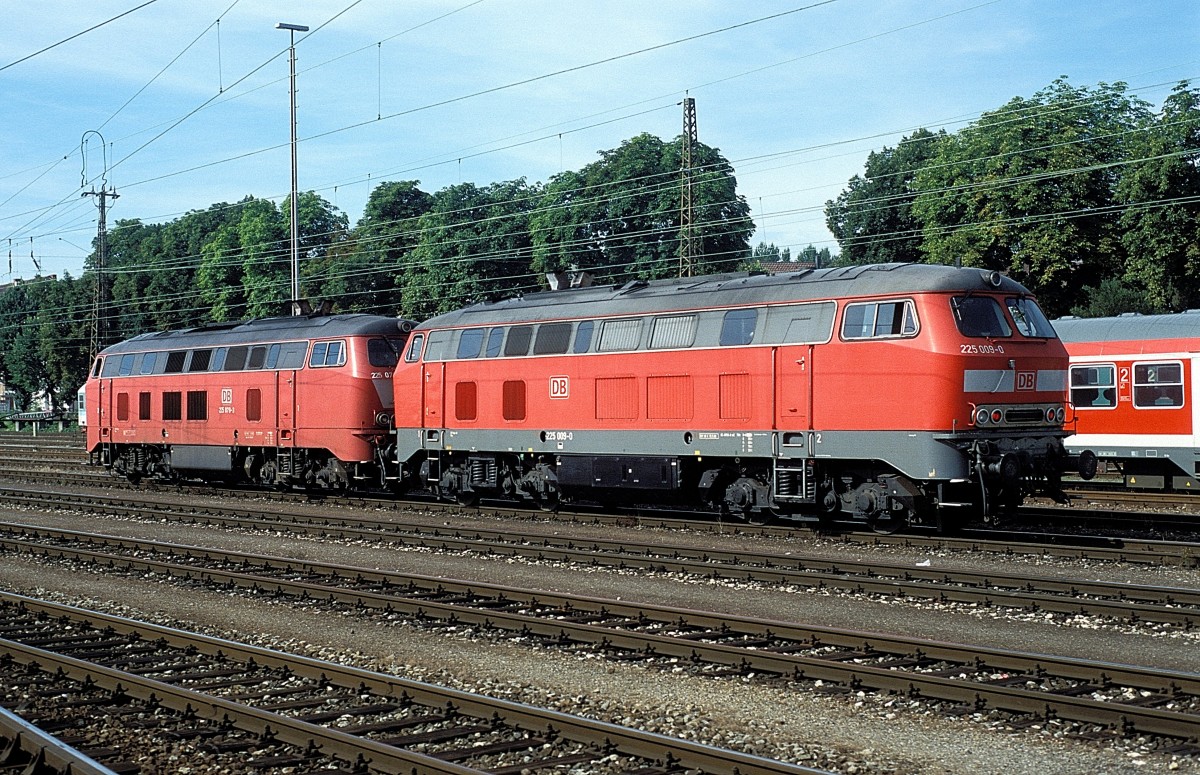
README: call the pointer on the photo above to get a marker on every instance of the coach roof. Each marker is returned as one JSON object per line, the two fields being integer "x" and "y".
{"x": 1129, "y": 328}
{"x": 730, "y": 290}
{"x": 264, "y": 330}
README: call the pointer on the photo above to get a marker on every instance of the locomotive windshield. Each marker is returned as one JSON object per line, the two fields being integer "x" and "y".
{"x": 1030, "y": 319}
{"x": 979, "y": 316}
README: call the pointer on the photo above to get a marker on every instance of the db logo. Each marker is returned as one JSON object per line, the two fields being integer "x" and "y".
{"x": 1026, "y": 380}
{"x": 560, "y": 387}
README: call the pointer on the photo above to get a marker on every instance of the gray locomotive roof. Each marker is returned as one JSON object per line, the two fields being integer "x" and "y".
{"x": 1129, "y": 328}
{"x": 642, "y": 297}
{"x": 262, "y": 330}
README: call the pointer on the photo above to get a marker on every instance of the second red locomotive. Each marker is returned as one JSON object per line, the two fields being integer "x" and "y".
{"x": 891, "y": 394}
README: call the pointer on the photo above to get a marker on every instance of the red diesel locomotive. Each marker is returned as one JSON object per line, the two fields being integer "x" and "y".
{"x": 1135, "y": 395}
{"x": 891, "y": 394}
{"x": 303, "y": 401}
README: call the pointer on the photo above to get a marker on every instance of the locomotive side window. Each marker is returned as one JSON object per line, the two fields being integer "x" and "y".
{"x": 495, "y": 342}
{"x": 617, "y": 335}
{"x": 172, "y": 405}
{"x": 199, "y": 361}
{"x": 979, "y": 316}
{"x": 97, "y": 367}
{"x": 258, "y": 357}
{"x": 327, "y": 354}
{"x": 1094, "y": 386}
{"x": 253, "y": 404}
{"x": 236, "y": 359}
{"x": 126, "y": 367}
{"x": 675, "y": 331}
{"x": 880, "y": 319}
{"x": 144, "y": 406}
{"x": 518, "y": 340}
{"x": 218, "y": 359}
{"x": 802, "y": 323}
{"x": 148, "y": 361}
{"x": 465, "y": 401}
{"x": 291, "y": 355}
{"x": 1158, "y": 385}
{"x": 122, "y": 407}
{"x": 1030, "y": 319}
{"x": 414, "y": 348}
{"x": 738, "y": 327}
{"x": 583, "y": 336}
{"x": 514, "y": 399}
{"x": 110, "y": 366}
{"x": 552, "y": 339}
{"x": 197, "y": 405}
{"x": 470, "y": 343}
{"x": 175, "y": 361}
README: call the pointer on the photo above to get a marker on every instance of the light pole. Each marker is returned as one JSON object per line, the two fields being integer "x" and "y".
{"x": 292, "y": 30}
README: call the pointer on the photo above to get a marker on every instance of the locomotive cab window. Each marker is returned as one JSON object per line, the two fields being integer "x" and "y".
{"x": 979, "y": 316}
{"x": 880, "y": 319}
{"x": 382, "y": 353}
{"x": 1094, "y": 386}
{"x": 1030, "y": 319}
{"x": 414, "y": 348}
{"x": 1158, "y": 385}
{"x": 325, "y": 354}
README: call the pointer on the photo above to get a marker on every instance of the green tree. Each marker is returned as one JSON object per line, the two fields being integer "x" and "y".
{"x": 619, "y": 218}
{"x": 474, "y": 244}
{"x": 1028, "y": 189}
{"x": 872, "y": 219}
{"x": 1112, "y": 297}
{"x": 1160, "y": 221}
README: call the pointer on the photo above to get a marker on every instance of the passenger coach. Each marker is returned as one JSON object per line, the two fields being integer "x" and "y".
{"x": 891, "y": 394}
{"x": 1134, "y": 394}
{"x": 279, "y": 401}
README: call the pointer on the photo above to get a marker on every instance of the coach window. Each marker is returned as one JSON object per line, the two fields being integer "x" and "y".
{"x": 1030, "y": 319}
{"x": 253, "y": 404}
{"x": 414, "y": 348}
{"x": 1157, "y": 385}
{"x": 470, "y": 343}
{"x": 738, "y": 327}
{"x": 144, "y": 406}
{"x": 518, "y": 340}
{"x": 552, "y": 339}
{"x": 1094, "y": 386}
{"x": 495, "y": 342}
{"x": 583, "y": 336}
{"x": 880, "y": 319}
{"x": 979, "y": 316}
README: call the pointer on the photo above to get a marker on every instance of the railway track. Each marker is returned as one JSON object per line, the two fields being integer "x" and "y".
{"x": 1099, "y": 697}
{"x": 1165, "y": 605}
{"x": 78, "y": 671}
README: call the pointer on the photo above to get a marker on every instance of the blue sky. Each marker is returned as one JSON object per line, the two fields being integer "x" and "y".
{"x": 195, "y": 112}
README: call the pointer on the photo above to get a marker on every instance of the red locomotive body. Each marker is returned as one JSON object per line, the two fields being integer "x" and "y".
{"x": 280, "y": 401}
{"x": 1135, "y": 396}
{"x": 888, "y": 393}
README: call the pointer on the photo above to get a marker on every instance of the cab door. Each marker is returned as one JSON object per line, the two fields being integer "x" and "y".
{"x": 793, "y": 369}
{"x": 285, "y": 406}
{"x": 433, "y": 394}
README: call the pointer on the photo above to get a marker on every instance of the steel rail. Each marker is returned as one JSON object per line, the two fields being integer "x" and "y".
{"x": 650, "y": 746}
{"x": 26, "y": 749}
{"x": 762, "y": 645}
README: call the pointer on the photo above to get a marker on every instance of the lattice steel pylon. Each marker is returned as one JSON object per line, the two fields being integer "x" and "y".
{"x": 687, "y": 230}
{"x": 100, "y": 299}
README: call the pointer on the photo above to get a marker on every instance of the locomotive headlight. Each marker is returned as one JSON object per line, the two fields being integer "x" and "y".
{"x": 997, "y": 415}
{"x": 1050, "y": 414}
{"x": 981, "y": 416}
{"x": 1060, "y": 415}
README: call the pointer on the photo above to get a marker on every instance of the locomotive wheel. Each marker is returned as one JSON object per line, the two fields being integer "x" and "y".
{"x": 468, "y": 499}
